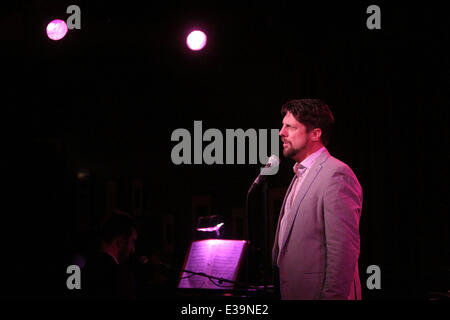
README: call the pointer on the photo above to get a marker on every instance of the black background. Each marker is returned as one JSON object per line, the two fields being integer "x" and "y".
{"x": 106, "y": 98}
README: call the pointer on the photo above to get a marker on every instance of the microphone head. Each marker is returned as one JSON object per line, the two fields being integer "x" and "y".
{"x": 273, "y": 161}
{"x": 271, "y": 167}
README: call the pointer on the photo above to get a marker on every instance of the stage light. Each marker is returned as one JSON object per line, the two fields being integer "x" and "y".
{"x": 196, "y": 40}
{"x": 209, "y": 224}
{"x": 83, "y": 174}
{"x": 211, "y": 229}
{"x": 57, "y": 29}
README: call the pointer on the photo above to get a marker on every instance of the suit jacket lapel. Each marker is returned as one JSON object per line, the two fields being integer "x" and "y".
{"x": 275, "y": 247}
{"x": 309, "y": 179}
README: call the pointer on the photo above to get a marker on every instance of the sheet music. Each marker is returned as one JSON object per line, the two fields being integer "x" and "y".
{"x": 215, "y": 257}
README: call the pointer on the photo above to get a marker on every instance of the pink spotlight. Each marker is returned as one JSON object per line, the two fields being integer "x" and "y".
{"x": 196, "y": 40}
{"x": 57, "y": 29}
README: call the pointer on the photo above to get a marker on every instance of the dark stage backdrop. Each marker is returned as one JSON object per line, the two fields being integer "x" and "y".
{"x": 105, "y": 100}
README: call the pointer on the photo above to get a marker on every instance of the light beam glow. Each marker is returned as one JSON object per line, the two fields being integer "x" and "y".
{"x": 57, "y": 29}
{"x": 196, "y": 40}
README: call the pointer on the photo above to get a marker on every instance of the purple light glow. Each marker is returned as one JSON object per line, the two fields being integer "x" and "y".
{"x": 196, "y": 40}
{"x": 57, "y": 29}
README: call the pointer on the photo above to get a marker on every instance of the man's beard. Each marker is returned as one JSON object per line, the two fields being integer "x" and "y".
{"x": 290, "y": 152}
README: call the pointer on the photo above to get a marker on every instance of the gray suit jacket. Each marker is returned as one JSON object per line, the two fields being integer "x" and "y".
{"x": 319, "y": 254}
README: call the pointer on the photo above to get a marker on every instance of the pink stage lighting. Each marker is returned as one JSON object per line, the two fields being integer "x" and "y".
{"x": 57, "y": 29}
{"x": 196, "y": 40}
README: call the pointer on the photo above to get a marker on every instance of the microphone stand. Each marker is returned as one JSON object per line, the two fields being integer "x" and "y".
{"x": 266, "y": 234}
{"x": 266, "y": 227}
{"x": 246, "y": 235}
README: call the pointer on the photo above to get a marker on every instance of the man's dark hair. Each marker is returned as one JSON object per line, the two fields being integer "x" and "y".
{"x": 312, "y": 113}
{"x": 117, "y": 225}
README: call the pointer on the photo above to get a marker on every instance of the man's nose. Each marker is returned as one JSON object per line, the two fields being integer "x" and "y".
{"x": 282, "y": 132}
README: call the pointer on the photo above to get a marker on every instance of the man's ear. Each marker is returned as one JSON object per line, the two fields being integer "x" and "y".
{"x": 316, "y": 133}
{"x": 118, "y": 241}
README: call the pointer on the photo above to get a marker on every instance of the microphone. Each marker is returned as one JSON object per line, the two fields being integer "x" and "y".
{"x": 271, "y": 168}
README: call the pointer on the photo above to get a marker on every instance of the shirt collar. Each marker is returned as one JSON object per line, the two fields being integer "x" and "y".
{"x": 301, "y": 167}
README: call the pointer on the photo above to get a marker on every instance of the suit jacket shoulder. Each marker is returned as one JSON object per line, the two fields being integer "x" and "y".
{"x": 334, "y": 167}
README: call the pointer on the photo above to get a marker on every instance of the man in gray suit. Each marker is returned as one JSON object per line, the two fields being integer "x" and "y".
{"x": 316, "y": 247}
